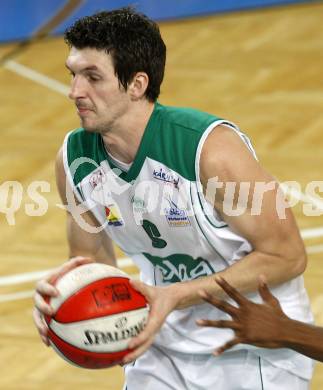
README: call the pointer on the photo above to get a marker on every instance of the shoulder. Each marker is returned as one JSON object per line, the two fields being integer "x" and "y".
{"x": 225, "y": 154}
{"x": 188, "y": 118}
{"x": 81, "y": 153}
{"x": 178, "y": 131}
{"x": 80, "y": 142}
{"x": 221, "y": 141}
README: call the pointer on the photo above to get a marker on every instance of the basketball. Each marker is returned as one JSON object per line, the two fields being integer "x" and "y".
{"x": 97, "y": 313}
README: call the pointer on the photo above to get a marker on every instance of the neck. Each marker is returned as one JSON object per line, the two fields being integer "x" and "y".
{"x": 123, "y": 142}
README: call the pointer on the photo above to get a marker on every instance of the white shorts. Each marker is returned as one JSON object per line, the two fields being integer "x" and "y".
{"x": 161, "y": 369}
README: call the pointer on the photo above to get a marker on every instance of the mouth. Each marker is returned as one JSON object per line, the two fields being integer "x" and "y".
{"x": 83, "y": 110}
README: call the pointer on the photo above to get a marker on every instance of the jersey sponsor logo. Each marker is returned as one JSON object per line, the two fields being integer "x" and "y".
{"x": 166, "y": 176}
{"x": 138, "y": 204}
{"x": 176, "y": 217}
{"x": 97, "y": 177}
{"x": 180, "y": 268}
{"x": 113, "y": 215}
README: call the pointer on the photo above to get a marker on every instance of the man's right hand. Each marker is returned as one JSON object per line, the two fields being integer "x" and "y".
{"x": 45, "y": 288}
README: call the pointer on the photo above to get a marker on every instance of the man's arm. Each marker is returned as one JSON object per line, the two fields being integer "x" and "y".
{"x": 84, "y": 247}
{"x": 97, "y": 246}
{"x": 277, "y": 248}
{"x": 263, "y": 325}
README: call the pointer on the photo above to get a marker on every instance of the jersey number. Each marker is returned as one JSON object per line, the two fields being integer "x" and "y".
{"x": 153, "y": 233}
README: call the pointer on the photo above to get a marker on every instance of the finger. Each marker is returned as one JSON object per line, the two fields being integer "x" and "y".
{"x": 39, "y": 322}
{"x": 43, "y": 287}
{"x": 218, "y": 303}
{"x": 137, "y": 352}
{"x": 143, "y": 288}
{"x": 219, "y": 324}
{"x": 226, "y": 346}
{"x": 137, "y": 285}
{"x": 230, "y": 290}
{"x": 41, "y": 305}
{"x": 68, "y": 266}
{"x": 41, "y": 326}
{"x": 80, "y": 260}
{"x": 265, "y": 293}
{"x": 152, "y": 326}
{"x": 155, "y": 320}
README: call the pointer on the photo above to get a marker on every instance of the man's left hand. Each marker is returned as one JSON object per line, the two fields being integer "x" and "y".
{"x": 162, "y": 301}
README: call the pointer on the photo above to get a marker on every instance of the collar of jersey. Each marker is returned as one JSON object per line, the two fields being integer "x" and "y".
{"x": 143, "y": 150}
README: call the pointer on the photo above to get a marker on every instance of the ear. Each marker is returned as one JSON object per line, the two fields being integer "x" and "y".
{"x": 138, "y": 85}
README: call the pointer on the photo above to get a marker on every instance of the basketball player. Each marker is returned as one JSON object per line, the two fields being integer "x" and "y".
{"x": 264, "y": 325}
{"x": 155, "y": 179}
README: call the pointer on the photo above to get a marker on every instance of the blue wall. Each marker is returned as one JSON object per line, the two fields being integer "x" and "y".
{"x": 20, "y": 18}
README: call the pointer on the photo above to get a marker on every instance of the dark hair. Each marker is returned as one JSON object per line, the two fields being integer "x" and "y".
{"x": 133, "y": 40}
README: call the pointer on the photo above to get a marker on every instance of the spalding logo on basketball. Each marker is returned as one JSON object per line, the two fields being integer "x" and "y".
{"x": 97, "y": 313}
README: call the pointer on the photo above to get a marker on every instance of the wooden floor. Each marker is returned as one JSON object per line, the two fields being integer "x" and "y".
{"x": 261, "y": 69}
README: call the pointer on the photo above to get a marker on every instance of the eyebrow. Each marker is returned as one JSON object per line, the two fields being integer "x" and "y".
{"x": 92, "y": 67}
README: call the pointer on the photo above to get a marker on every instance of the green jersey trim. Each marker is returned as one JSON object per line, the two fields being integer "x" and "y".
{"x": 171, "y": 137}
{"x": 167, "y": 127}
{"x": 177, "y": 133}
{"x": 201, "y": 198}
{"x": 202, "y": 230}
{"x": 85, "y": 146}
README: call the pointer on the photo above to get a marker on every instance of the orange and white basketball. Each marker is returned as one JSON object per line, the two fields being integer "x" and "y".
{"x": 97, "y": 313}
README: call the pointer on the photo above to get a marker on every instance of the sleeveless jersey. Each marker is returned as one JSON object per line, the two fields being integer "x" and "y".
{"x": 157, "y": 214}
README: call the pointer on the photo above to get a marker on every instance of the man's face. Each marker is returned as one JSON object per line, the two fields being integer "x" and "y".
{"x": 95, "y": 89}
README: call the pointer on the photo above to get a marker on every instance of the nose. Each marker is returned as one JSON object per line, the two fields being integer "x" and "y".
{"x": 77, "y": 89}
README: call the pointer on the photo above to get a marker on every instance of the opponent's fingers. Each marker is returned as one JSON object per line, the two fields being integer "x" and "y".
{"x": 218, "y": 303}
{"x": 226, "y": 346}
{"x": 219, "y": 324}
{"x": 265, "y": 293}
{"x": 230, "y": 290}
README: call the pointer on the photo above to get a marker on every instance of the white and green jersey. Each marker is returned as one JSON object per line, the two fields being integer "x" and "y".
{"x": 157, "y": 214}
